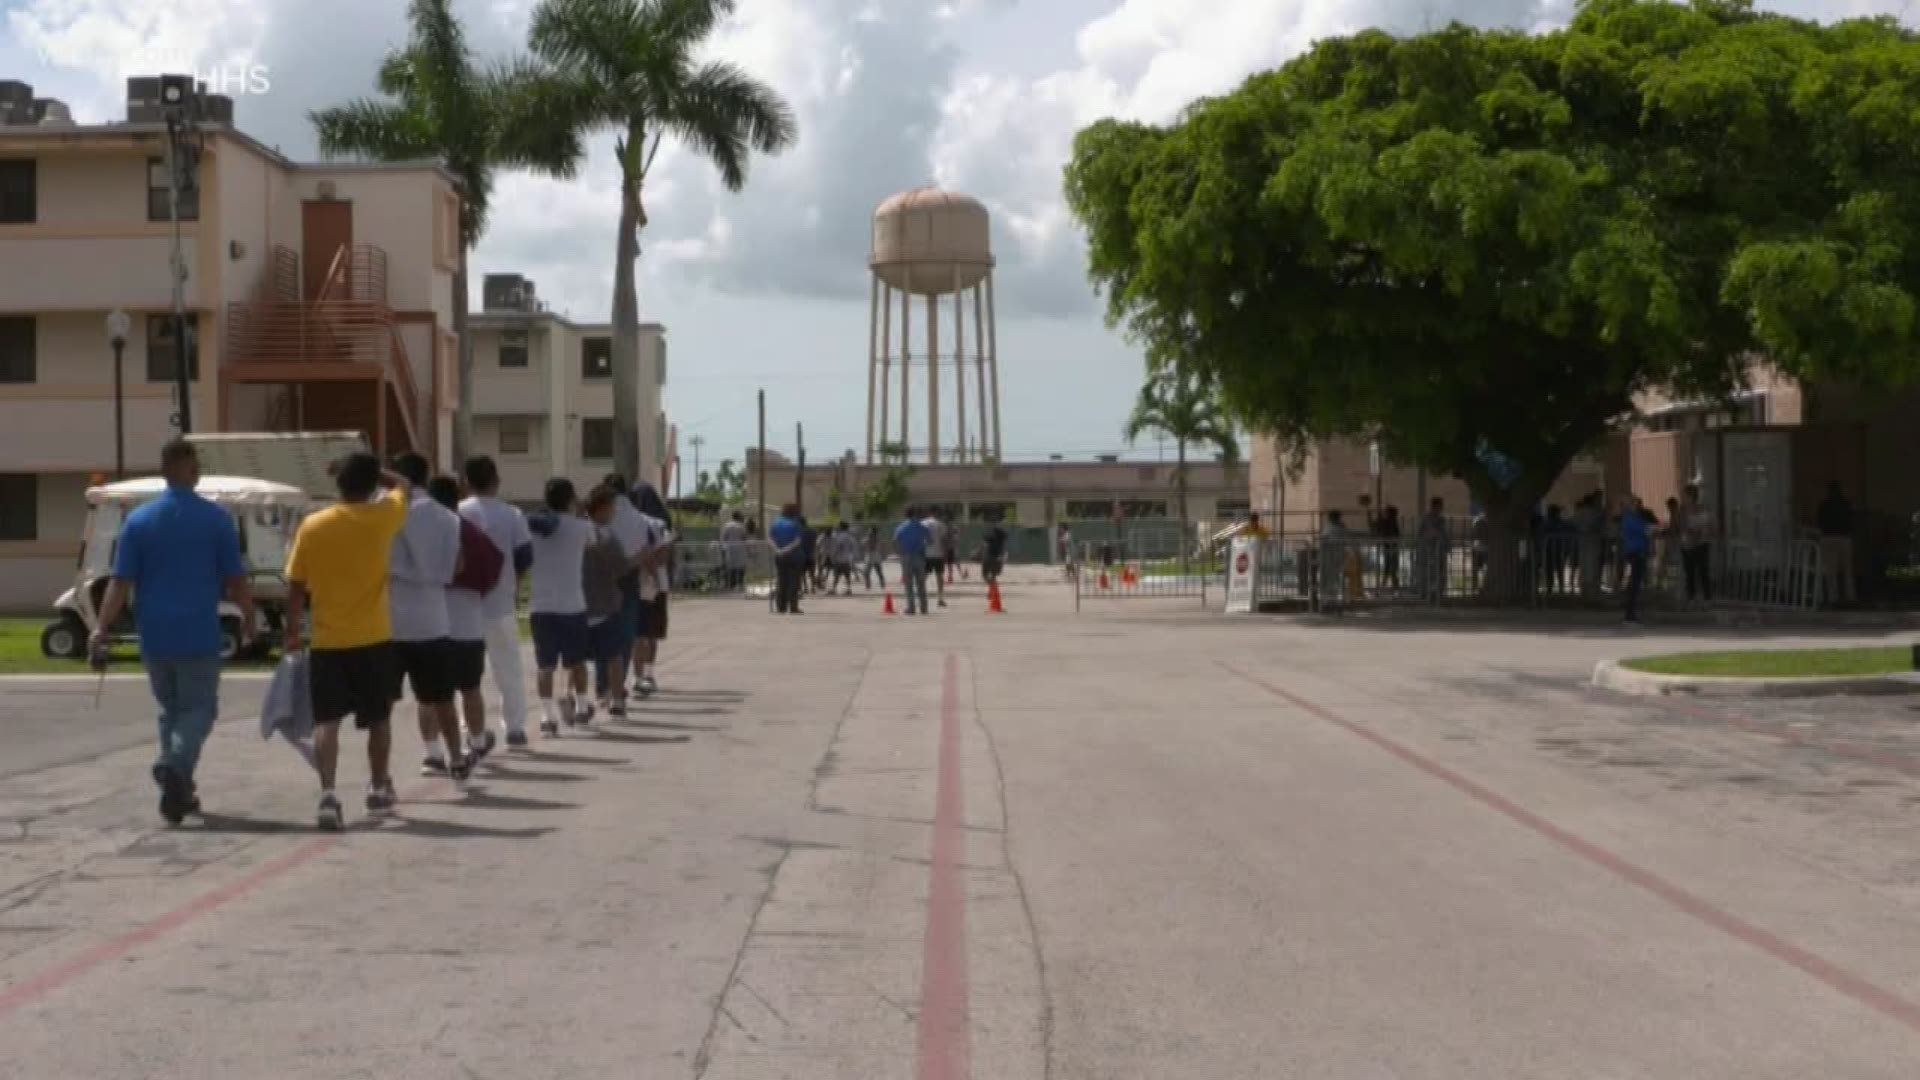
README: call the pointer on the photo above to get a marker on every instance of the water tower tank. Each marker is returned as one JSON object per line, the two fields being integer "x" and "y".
{"x": 925, "y": 237}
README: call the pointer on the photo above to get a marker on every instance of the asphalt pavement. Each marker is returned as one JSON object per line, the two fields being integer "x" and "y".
{"x": 1144, "y": 841}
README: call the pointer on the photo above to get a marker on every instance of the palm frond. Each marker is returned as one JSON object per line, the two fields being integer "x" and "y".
{"x": 397, "y": 78}
{"x": 601, "y": 40}
{"x": 537, "y": 117}
{"x": 681, "y": 26}
{"x": 374, "y": 130}
{"x": 726, "y": 114}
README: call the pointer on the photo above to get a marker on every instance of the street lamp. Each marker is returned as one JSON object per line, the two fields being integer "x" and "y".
{"x": 118, "y": 324}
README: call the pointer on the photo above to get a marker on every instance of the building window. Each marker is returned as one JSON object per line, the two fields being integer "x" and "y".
{"x": 1135, "y": 509}
{"x": 19, "y": 202}
{"x": 516, "y": 438}
{"x": 990, "y": 511}
{"x": 1233, "y": 509}
{"x": 157, "y": 199}
{"x": 1089, "y": 509}
{"x": 596, "y": 358}
{"x": 513, "y": 348}
{"x": 17, "y": 363}
{"x": 19, "y": 506}
{"x": 596, "y": 439}
{"x": 161, "y": 350}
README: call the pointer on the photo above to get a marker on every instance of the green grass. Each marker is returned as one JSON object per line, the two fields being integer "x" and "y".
{"x": 20, "y": 653}
{"x": 1781, "y": 664}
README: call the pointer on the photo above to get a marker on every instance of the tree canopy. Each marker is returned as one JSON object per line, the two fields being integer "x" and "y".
{"x": 1478, "y": 245}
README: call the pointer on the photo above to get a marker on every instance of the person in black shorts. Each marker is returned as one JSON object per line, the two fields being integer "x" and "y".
{"x": 339, "y": 565}
{"x": 481, "y": 564}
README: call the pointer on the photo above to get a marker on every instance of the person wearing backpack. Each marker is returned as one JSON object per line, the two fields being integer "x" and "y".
{"x": 478, "y": 571}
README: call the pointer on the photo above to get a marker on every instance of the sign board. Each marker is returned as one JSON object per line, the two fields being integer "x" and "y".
{"x": 1243, "y": 564}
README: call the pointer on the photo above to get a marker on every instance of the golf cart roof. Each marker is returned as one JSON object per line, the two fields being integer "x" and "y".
{"x": 299, "y": 458}
{"x": 225, "y": 490}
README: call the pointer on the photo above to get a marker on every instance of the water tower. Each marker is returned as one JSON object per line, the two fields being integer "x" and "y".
{"x": 930, "y": 245}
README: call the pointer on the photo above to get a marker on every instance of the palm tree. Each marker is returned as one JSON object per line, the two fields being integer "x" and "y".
{"x": 629, "y": 65}
{"x": 1177, "y": 404}
{"x": 438, "y": 103}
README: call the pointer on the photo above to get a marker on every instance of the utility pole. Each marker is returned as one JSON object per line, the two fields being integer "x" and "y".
{"x": 800, "y": 471}
{"x": 697, "y": 442}
{"x": 762, "y": 511}
{"x": 180, "y": 101}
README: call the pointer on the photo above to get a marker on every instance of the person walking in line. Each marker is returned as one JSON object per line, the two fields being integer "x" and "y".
{"x": 875, "y": 556}
{"x": 607, "y": 573}
{"x": 339, "y": 565}
{"x": 844, "y": 549}
{"x": 655, "y": 567}
{"x": 481, "y": 567}
{"x": 558, "y": 602}
{"x": 177, "y": 557}
{"x": 788, "y": 535}
{"x": 938, "y": 551}
{"x": 1696, "y": 545}
{"x": 506, "y": 526}
{"x": 911, "y": 540}
{"x": 1636, "y": 543}
{"x": 1836, "y": 545}
{"x": 733, "y": 552}
{"x": 424, "y": 560}
{"x": 629, "y": 527}
{"x": 993, "y": 552}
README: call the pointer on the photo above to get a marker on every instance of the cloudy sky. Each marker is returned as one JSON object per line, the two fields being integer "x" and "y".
{"x": 768, "y": 288}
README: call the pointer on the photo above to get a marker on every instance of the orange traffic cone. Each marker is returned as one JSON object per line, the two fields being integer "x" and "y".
{"x": 888, "y": 609}
{"x": 994, "y": 607}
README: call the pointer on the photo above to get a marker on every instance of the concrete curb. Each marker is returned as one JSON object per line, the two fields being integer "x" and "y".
{"x": 1617, "y": 677}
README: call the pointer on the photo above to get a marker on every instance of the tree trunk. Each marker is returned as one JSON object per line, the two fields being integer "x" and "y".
{"x": 626, "y": 325}
{"x": 1180, "y": 495}
{"x": 463, "y": 394}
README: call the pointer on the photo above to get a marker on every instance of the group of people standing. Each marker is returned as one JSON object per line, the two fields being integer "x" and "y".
{"x": 925, "y": 541}
{"x": 408, "y": 580}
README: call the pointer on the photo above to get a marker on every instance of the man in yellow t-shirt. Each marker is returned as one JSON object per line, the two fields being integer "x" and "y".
{"x": 339, "y": 565}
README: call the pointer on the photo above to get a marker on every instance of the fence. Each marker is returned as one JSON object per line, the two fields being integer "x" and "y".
{"x": 1156, "y": 569}
{"x": 1782, "y": 573}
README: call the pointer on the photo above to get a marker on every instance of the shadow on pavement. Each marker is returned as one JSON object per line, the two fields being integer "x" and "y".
{"x": 541, "y": 758}
{"x": 665, "y": 726}
{"x": 442, "y": 830}
{"x": 615, "y": 736}
{"x": 496, "y": 772}
{"x": 485, "y": 800}
{"x": 655, "y": 710}
{"x": 231, "y": 823}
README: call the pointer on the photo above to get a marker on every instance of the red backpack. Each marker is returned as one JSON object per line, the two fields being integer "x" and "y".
{"x": 480, "y": 561}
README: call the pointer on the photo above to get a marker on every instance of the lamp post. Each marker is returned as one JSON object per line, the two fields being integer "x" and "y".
{"x": 117, "y": 326}
{"x": 179, "y": 101}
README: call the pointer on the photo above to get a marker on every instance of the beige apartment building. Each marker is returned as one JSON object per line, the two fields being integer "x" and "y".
{"x": 543, "y": 393}
{"x": 319, "y": 296}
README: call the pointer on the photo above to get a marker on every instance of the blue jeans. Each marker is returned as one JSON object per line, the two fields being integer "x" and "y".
{"x": 914, "y": 569}
{"x": 188, "y": 691}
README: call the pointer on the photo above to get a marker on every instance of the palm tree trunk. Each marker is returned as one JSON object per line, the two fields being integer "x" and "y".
{"x": 626, "y": 325}
{"x": 463, "y": 405}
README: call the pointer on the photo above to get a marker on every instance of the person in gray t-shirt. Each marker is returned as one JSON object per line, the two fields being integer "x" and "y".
{"x": 603, "y": 567}
{"x": 558, "y": 605}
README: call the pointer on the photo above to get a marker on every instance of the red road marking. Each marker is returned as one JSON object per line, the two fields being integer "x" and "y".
{"x": 944, "y": 1045}
{"x": 54, "y": 978}
{"x": 1874, "y": 997}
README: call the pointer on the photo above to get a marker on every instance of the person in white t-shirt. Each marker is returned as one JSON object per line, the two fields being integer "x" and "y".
{"x": 939, "y": 551}
{"x": 506, "y": 526}
{"x": 558, "y": 602}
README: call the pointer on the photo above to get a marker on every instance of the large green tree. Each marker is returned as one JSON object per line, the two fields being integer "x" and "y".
{"x": 1478, "y": 246}
{"x": 440, "y": 102}
{"x": 1178, "y": 404}
{"x": 630, "y": 66}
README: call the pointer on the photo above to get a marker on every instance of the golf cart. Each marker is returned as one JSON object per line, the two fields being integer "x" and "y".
{"x": 267, "y": 514}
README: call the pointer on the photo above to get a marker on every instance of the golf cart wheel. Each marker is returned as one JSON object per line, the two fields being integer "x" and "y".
{"x": 229, "y": 640}
{"x": 65, "y": 639}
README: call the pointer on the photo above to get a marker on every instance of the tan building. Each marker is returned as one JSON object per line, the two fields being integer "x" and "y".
{"x": 543, "y": 393}
{"x": 1040, "y": 493}
{"x": 320, "y": 297}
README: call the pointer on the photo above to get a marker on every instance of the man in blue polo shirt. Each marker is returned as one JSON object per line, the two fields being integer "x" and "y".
{"x": 178, "y": 555}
